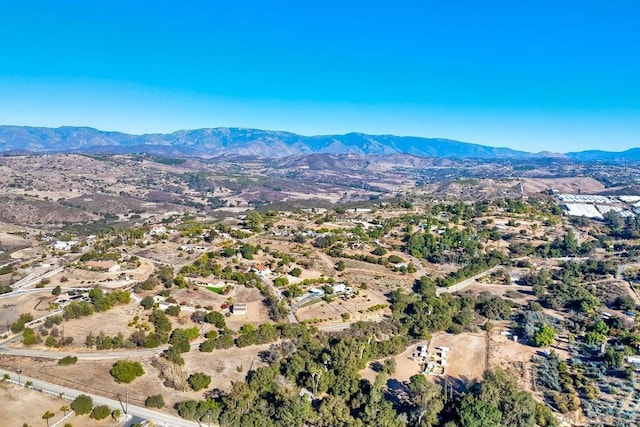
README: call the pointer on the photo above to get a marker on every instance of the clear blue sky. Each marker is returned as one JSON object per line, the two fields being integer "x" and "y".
{"x": 556, "y": 75}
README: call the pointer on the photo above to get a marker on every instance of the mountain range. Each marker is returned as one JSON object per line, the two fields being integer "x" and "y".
{"x": 207, "y": 143}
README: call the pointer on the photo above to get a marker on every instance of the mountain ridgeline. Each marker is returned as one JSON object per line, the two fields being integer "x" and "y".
{"x": 206, "y": 143}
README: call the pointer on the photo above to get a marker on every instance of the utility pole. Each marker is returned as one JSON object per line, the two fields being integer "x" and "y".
{"x": 126, "y": 393}
{"x": 19, "y": 375}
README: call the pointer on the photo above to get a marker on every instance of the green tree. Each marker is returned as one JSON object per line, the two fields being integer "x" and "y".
{"x": 155, "y": 401}
{"x": 125, "y": 371}
{"x": 477, "y": 413}
{"x": 82, "y": 404}
{"x": 215, "y": 318}
{"x": 173, "y": 310}
{"x": 593, "y": 338}
{"x": 18, "y": 325}
{"x": 625, "y": 302}
{"x": 47, "y": 416}
{"x": 294, "y": 291}
{"x": 601, "y": 327}
{"x": 426, "y": 398}
{"x": 29, "y": 337}
{"x": 100, "y": 412}
{"x": 147, "y": 302}
{"x": 198, "y": 381}
{"x": 544, "y": 336}
{"x": 68, "y": 360}
{"x": 379, "y": 250}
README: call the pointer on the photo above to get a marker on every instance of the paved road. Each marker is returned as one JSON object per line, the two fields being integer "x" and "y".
{"x": 158, "y": 418}
{"x": 39, "y": 290}
{"x": 32, "y": 279}
{"x": 419, "y": 267}
{"x": 269, "y": 284}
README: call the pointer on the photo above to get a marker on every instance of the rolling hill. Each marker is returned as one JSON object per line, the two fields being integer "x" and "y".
{"x": 213, "y": 142}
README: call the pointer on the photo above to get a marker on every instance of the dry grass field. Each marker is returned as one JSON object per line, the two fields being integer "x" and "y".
{"x": 19, "y": 405}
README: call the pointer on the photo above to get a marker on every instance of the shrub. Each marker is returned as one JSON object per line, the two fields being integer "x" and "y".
{"x": 29, "y": 337}
{"x": 68, "y": 360}
{"x": 147, "y": 302}
{"x": 544, "y": 336}
{"x": 173, "y": 310}
{"x": 208, "y": 346}
{"x": 395, "y": 259}
{"x": 116, "y": 414}
{"x": 173, "y": 355}
{"x": 100, "y": 412}
{"x": 198, "y": 381}
{"x": 18, "y": 325}
{"x": 155, "y": 401}
{"x": 51, "y": 342}
{"x": 215, "y": 318}
{"x": 82, "y": 404}
{"x": 124, "y": 371}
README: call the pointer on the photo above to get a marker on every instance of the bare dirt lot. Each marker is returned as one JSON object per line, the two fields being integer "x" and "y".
{"x": 357, "y": 308}
{"x": 110, "y": 322}
{"x": 256, "y": 314}
{"x": 405, "y": 366}
{"x": 224, "y": 367}
{"x": 516, "y": 356}
{"x": 19, "y": 405}
{"x": 78, "y": 277}
{"x": 466, "y": 359}
{"x": 562, "y": 185}
{"x": 11, "y": 307}
{"x": 467, "y": 354}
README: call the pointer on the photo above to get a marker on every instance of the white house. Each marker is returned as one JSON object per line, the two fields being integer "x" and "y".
{"x": 61, "y": 245}
{"x": 158, "y": 230}
{"x": 261, "y": 270}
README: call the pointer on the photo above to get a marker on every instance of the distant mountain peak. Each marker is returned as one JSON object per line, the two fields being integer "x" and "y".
{"x": 212, "y": 142}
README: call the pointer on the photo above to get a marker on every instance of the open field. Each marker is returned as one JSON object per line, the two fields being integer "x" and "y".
{"x": 405, "y": 366}
{"x": 224, "y": 366}
{"x": 19, "y": 405}
{"x": 11, "y": 307}
{"x": 355, "y": 306}
{"x": 467, "y": 359}
{"x": 78, "y": 277}
{"x": 256, "y": 314}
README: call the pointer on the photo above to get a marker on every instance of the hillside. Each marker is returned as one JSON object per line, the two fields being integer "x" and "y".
{"x": 235, "y": 141}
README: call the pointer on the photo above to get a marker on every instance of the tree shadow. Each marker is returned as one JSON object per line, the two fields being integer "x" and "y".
{"x": 397, "y": 392}
{"x": 377, "y": 366}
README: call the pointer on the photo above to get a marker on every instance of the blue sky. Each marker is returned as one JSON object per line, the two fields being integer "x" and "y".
{"x": 539, "y": 75}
